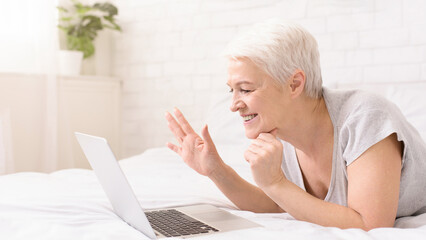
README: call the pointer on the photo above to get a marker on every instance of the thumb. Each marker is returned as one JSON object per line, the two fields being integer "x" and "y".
{"x": 206, "y": 136}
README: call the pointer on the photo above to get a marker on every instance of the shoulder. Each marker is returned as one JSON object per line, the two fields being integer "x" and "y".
{"x": 344, "y": 105}
{"x": 362, "y": 119}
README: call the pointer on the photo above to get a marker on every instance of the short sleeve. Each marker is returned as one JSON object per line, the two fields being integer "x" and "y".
{"x": 363, "y": 130}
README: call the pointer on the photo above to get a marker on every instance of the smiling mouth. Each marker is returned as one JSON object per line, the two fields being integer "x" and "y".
{"x": 249, "y": 117}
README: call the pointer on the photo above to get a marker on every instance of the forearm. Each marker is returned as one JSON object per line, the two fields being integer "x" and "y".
{"x": 306, "y": 207}
{"x": 244, "y": 195}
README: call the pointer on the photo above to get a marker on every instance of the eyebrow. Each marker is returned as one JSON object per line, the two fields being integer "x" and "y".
{"x": 240, "y": 82}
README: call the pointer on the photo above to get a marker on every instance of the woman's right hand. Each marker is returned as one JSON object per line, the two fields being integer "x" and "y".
{"x": 198, "y": 153}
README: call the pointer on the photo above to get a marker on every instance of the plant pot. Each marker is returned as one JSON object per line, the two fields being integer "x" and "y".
{"x": 70, "y": 62}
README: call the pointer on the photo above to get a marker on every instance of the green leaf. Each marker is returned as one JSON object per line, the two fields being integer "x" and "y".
{"x": 111, "y": 20}
{"x": 65, "y": 29}
{"x": 91, "y": 24}
{"x": 62, "y": 9}
{"x": 81, "y": 44}
{"x": 81, "y": 9}
{"x": 65, "y": 19}
{"x": 106, "y": 7}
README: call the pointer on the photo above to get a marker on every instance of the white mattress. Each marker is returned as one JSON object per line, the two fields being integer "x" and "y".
{"x": 70, "y": 204}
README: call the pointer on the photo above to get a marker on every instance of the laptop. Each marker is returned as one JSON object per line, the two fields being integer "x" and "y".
{"x": 185, "y": 222}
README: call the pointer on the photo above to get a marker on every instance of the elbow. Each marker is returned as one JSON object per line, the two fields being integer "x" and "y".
{"x": 367, "y": 226}
{"x": 371, "y": 227}
{"x": 370, "y": 221}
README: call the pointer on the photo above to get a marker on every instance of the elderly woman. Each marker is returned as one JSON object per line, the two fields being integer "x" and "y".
{"x": 346, "y": 159}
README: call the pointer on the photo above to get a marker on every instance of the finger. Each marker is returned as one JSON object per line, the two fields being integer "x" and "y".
{"x": 206, "y": 136}
{"x": 267, "y": 137}
{"x": 186, "y": 127}
{"x": 259, "y": 143}
{"x": 178, "y": 134}
{"x": 175, "y": 128}
{"x": 173, "y": 147}
{"x": 249, "y": 156}
{"x": 267, "y": 143}
{"x": 255, "y": 149}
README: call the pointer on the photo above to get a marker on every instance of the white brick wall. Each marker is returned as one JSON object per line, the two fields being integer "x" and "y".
{"x": 169, "y": 52}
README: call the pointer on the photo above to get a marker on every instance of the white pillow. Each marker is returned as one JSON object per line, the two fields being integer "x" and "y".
{"x": 227, "y": 130}
{"x": 225, "y": 127}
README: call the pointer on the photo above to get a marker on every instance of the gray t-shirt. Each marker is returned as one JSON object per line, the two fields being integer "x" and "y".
{"x": 360, "y": 120}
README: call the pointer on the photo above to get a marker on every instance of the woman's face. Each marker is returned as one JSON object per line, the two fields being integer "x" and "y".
{"x": 260, "y": 101}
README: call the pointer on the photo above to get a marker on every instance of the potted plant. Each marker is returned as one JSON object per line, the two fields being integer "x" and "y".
{"x": 81, "y": 24}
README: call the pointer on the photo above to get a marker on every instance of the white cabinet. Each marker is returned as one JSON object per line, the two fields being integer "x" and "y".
{"x": 90, "y": 105}
{"x": 85, "y": 104}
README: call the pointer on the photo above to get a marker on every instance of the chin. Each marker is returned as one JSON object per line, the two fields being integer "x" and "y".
{"x": 252, "y": 135}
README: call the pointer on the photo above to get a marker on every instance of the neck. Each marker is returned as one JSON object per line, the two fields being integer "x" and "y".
{"x": 312, "y": 131}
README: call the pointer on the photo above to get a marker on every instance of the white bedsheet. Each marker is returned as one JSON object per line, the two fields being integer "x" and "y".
{"x": 70, "y": 204}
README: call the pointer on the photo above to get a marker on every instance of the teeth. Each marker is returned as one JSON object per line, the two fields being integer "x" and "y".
{"x": 249, "y": 117}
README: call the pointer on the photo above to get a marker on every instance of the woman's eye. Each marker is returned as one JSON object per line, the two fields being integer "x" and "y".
{"x": 240, "y": 90}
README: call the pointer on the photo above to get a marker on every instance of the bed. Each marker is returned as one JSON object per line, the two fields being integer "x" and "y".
{"x": 70, "y": 204}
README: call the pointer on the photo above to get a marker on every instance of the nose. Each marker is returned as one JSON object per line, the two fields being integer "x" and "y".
{"x": 236, "y": 104}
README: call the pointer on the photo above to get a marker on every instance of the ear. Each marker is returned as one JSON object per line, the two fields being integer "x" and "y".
{"x": 297, "y": 83}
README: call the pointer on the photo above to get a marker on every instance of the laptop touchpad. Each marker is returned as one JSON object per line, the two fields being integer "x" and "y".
{"x": 214, "y": 216}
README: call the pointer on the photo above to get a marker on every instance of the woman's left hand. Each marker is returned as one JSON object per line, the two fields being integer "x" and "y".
{"x": 265, "y": 156}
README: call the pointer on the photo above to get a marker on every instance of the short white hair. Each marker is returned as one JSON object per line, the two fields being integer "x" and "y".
{"x": 279, "y": 48}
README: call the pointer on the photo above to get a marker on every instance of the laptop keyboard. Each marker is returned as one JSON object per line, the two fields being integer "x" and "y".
{"x": 172, "y": 223}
